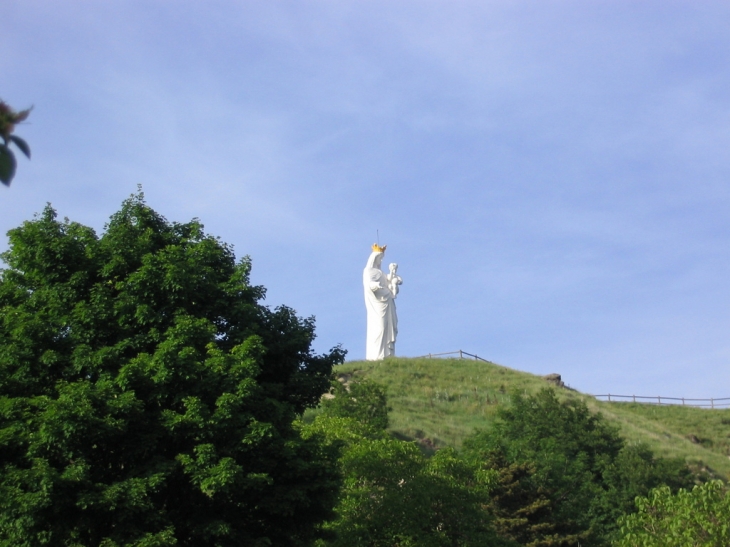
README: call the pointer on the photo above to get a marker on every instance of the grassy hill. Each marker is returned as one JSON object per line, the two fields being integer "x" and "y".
{"x": 441, "y": 401}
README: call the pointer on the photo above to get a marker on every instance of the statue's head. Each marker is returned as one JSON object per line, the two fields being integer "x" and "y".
{"x": 376, "y": 256}
{"x": 393, "y": 267}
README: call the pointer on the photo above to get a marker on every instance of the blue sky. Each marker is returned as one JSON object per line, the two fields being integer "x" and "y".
{"x": 552, "y": 177}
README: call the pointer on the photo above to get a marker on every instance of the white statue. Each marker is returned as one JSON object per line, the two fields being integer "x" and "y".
{"x": 380, "y": 304}
{"x": 394, "y": 280}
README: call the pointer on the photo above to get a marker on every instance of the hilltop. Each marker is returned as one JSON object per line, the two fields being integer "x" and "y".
{"x": 440, "y": 401}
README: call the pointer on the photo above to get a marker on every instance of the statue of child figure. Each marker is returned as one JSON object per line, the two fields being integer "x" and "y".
{"x": 394, "y": 280}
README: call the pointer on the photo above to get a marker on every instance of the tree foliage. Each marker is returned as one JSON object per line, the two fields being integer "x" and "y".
{"x": 364, "y": 400}
{"x": 147, "y": 397}
{"x": 522, "y": 506}
{"x": 394, "y": 495}
{"x": 699, "y": 517}
{"x": 8, "y": 120}
{"x": 578, "y": 466}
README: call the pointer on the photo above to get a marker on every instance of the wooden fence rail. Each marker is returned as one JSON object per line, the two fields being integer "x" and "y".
{"x": 460, "y": 353}
{"x": 659, "y": 400}
{"x": 611, "y": 398}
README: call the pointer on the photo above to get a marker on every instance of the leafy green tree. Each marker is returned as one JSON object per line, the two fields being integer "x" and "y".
{"x": 364, "y": 400}
{"x": 634, "y": 472}
{"x": 393, "y": 495}
{"x": 522, "y": 506}
{"x": 147, "y": 398}
{"x": 581, "y": 465}
{"x": 8, "y": 120}
{"x": 690, "y": 518}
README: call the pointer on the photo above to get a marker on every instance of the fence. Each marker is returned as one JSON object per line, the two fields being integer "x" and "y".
{"x": 611, "y": 398}
{"x": 658, "y": 400}
{"x": 460, "y": 353}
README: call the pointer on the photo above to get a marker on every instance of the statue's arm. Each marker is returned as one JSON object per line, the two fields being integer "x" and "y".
{"x": 374, "y": 284}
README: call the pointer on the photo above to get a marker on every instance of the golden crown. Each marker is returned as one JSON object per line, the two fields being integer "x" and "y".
{"x": 378, "y": 249}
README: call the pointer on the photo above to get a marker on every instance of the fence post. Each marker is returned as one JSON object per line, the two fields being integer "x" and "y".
{"x": 659, "y": 399}
{"x": 634, "y": 396}
{"x": 461, "y": 356}
{"x": 712, "y": 403}
{"x": 682, "y": 401}
{"x": 609, "y": 397}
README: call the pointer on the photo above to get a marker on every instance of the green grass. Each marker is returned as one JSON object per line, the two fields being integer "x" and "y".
{"x": 667, "y": 430}
{"x": 444, "y": 400}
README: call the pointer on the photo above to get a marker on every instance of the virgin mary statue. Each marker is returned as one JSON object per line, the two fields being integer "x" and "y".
{"x": 380, "y": 305}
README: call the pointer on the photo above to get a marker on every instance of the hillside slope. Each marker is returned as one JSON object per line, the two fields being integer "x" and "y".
{"x": 441, "y": 401}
